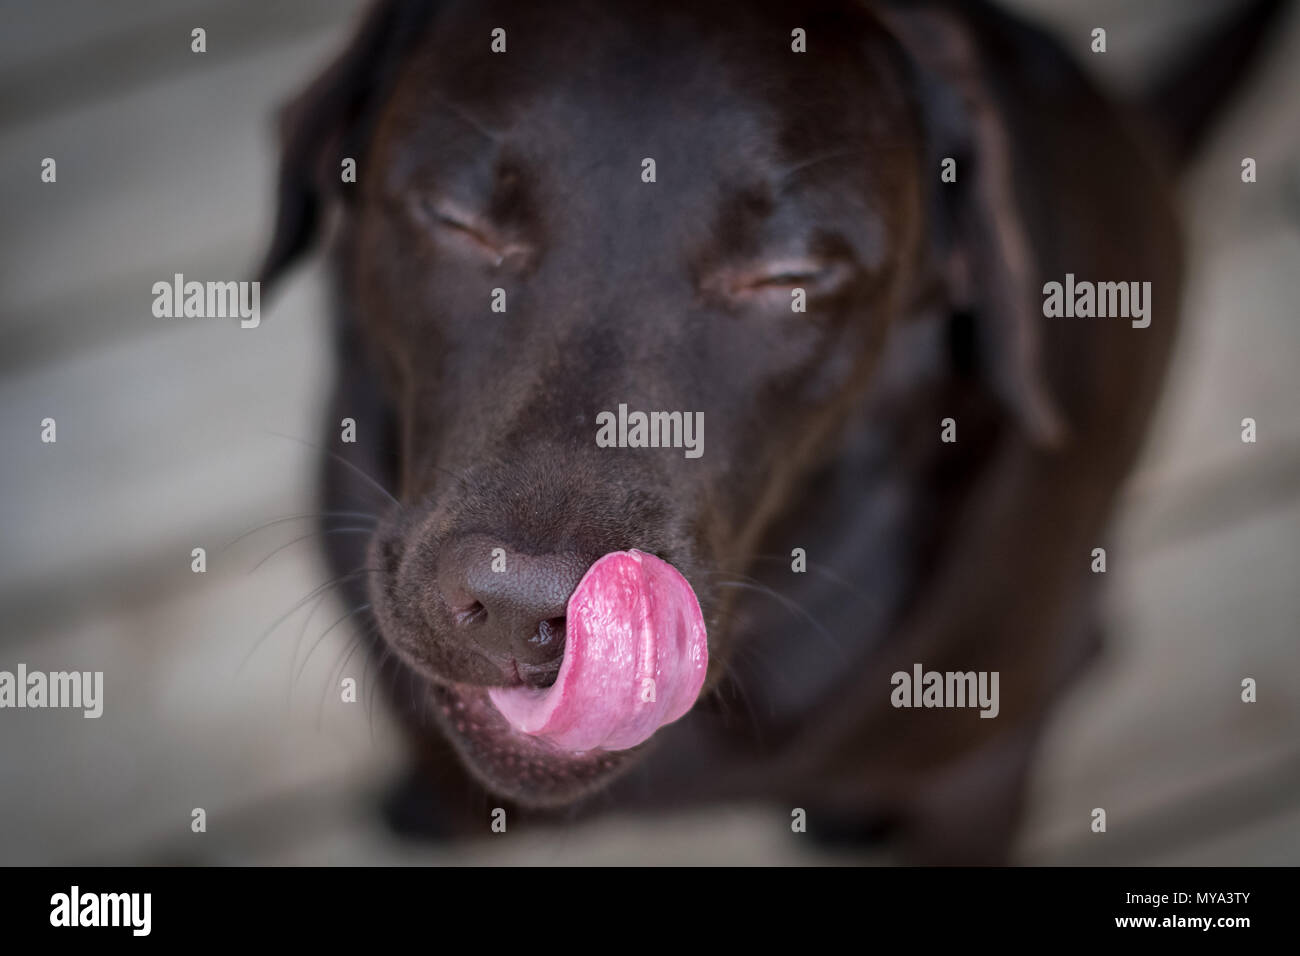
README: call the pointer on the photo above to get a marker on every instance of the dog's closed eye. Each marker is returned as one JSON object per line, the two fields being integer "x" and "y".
{"x": 774, "y": 281}
{"x": 466, "y": 231}
{"x": 787, "y": 275}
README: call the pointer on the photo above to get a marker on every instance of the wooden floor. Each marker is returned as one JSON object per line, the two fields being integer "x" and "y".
{"x": 172, "y": 435}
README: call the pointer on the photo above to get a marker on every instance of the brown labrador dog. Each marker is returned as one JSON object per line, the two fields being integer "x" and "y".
{"x": 909, "y": 473}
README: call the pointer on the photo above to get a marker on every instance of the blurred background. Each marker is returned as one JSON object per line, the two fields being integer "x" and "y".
{"x": 172, "y": 435}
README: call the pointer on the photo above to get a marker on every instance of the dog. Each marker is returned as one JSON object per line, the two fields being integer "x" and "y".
{"x": 564, "y": 209}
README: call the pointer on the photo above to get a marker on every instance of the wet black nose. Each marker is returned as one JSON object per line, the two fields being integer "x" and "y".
{"x": 510, "y": 604}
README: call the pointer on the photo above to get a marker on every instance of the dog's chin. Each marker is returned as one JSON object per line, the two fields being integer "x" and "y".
{"x": 513, "y": 765}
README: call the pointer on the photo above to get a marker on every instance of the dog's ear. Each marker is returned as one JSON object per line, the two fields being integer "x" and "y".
{"x": 979, "y": 242}
{"x": 332, "y": 119}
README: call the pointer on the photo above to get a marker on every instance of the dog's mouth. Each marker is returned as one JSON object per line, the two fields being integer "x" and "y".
{"x": 635, "y": 658}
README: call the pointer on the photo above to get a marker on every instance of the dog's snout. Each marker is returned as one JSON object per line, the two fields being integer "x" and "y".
{"x": 510, "y": 604}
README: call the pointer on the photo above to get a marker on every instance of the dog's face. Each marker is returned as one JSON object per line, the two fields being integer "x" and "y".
{"x": 777, "y": 176}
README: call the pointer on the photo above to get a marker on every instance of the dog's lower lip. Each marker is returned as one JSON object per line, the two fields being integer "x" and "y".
{"x": 514, "y": 764}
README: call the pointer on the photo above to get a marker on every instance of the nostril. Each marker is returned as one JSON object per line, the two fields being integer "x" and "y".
{"x": 470, "y": 614}
{"x": 548, "y": 632}
{"x": 510, "y": 611}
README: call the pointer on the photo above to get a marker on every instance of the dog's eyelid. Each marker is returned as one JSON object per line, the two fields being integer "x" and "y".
{"x": 458, "y": 222}
{"x": 817, "y": 276}
{"x": 435, "y": 212}
{"x": 790, "y": 272}
{"x": 449, "y": 214}
{"x": 812, "y": 274}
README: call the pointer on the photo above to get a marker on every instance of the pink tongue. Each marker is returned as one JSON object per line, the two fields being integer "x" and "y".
{"x": 634, "y": 659}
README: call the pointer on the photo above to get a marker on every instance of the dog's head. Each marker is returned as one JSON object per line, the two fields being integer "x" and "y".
{"x": 564, "y": 208}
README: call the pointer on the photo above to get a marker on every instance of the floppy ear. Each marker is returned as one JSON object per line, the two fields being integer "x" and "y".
{"x": 332, "y": 119}
{"x": 977, "y": 234}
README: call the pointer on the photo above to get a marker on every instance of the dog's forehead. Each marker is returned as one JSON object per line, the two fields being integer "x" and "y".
{"x": 683, "y": 72}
